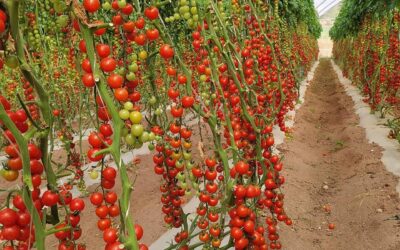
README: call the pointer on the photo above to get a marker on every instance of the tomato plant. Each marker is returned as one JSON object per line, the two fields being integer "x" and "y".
{"x": 366, "y": 47}
{"x": 135, "y": 73}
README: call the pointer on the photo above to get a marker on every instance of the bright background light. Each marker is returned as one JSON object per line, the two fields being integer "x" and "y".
{"x": 323, "y": 6}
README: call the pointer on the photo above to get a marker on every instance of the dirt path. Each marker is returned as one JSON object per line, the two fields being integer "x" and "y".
{"x": 330, "y": 163}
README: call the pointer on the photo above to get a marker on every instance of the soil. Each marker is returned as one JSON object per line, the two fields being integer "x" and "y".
{"x": 332, "y": 166}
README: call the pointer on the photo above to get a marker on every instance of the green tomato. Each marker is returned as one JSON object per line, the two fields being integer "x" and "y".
{"x": 152, "y": 100}
{"x": 121, "y": 3}
{"x": 193, "y": 10}
{"x": 106, "y": 6}
{"x": 144, "y": 137}
{"x": 124, "y": 114}
{"x": 183, "y": 185}
{"x": 94, "y": 174}
{"x": 12, "y": 61}
{"x": 179, "y": 164}
{"x": 189, "y": 165}
{"x": 130, "y": 139}
{"x": 130, "y": 76}
{"x": 135, "y": 117}
{"x": 128, "y": 106}
{"x": 151, "y": 147}
{"x": 62, "y": 21}
{"x": 187, "y": 156}
{"x": 180, "y": 176}
{"x": 152, "y": 136}
{"x": 124, "y": 131}
{"x": 137, "y": 130}
{"x": 158, "y": 111}
{"x": 133, "y": 67}
{"x": 138, "y": 144}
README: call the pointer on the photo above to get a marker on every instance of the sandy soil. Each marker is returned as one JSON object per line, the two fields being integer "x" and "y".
{"x": 330, "y": 163}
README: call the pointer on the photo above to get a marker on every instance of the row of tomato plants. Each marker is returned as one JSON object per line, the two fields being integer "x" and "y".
{"x": 371, "y": 59}
{"x": 136, "y": 71}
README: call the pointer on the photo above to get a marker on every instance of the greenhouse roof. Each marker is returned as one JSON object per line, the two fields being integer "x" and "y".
{"x": 324, "y": 6}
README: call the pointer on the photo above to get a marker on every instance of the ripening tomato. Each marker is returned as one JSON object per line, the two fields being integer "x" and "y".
{"x": 103, "y": 224}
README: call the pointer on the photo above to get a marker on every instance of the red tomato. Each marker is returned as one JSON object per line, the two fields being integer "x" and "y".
{"x": 49, "y": 198}
{"x": 166, "y": 51}
{"x": 138, "y": 231}
{"x": 110, "y": 235}
{"x": 151, "y": 13}
{"x": 103, "y": 50}
{"x": 108, "y": 64}
{"x": 8, "y": 217}
{"x": 115, "y": 81}
{"x": 109, "y": 173}
{"x": 96, "y": 140}
{"x": 96, "y": 198}
{"x": 187, "y": 101}
{"x": 77, "y": 204}
{"x": 106, "y": 130}
{"x": 91, "y": 5}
